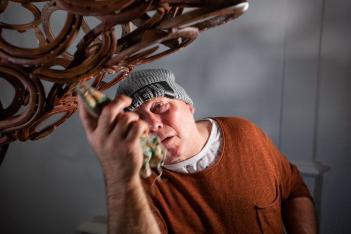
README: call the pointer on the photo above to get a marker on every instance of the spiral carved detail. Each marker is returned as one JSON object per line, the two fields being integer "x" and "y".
{"x": 127, "y": 33}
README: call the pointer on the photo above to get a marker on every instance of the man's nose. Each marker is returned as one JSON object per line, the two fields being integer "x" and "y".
{"x": 154, "y": 122}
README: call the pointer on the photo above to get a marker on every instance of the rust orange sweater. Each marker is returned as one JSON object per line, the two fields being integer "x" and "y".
{"x": 242, "y": 192}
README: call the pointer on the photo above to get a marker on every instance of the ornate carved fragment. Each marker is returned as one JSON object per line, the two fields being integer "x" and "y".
{"x": 127, "y": 33}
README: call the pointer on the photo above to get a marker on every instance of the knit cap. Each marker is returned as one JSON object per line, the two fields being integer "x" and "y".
{"x": 144, "y": 85}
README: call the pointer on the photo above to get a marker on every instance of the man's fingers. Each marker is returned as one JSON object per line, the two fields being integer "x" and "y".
{"x": 137, "y": 129}
{"x": 89, "y": 122}
{"x": 110, "y": 112}
{"x": 123, "y": 122}
{"x": 120, "y": 103}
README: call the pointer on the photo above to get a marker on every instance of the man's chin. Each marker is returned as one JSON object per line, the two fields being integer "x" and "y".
{"x": 172, "y": 158}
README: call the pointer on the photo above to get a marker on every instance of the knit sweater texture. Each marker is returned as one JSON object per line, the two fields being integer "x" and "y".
{"x": 242, "y": 192}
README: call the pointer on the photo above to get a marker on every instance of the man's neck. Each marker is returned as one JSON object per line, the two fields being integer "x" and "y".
{"x": 204, "y": 130}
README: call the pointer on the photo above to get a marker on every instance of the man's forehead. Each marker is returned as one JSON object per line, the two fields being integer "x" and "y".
{"x": 153, "y": 100}
{"x": 157, "y": 99}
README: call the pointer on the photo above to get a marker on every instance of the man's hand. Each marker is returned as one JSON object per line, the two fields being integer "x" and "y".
{"x": 115, "y": 138}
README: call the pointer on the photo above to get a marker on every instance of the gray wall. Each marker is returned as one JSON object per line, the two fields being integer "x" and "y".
{"x": 285, "y": 65}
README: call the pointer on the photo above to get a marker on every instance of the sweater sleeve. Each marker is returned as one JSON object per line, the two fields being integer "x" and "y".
{"x": 291, "y": 182}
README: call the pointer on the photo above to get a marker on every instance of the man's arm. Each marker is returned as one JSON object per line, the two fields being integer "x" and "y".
{"x": 115, "y": 138}
{"x": 299, "y": 216}
{"x": 128, "y": 210}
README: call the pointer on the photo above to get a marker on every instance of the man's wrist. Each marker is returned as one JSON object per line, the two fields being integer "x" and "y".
{"x": 119, "y": 185}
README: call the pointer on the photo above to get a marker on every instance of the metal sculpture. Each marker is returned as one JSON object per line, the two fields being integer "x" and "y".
{"x": 129, "y": 33}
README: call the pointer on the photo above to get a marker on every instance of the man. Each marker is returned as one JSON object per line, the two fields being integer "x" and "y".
{"x": 221, "y": 175}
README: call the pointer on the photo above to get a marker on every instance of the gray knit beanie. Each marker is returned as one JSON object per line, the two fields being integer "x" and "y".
{"x": 144, "y": 85}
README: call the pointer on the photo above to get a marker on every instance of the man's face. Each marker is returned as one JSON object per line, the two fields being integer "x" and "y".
{"x": 173, "y": 121}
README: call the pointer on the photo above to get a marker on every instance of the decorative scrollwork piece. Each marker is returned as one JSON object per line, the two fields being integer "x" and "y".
{"x": 127, "y": 33}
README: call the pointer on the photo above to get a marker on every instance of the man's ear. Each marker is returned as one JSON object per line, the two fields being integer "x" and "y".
{"x": 191, "y": 108}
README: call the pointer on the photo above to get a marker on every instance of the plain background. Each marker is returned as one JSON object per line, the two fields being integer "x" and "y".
{"x": 285, "y": 65}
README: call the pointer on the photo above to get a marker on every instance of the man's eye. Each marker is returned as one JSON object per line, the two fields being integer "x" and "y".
{"x": 160, "y": 107}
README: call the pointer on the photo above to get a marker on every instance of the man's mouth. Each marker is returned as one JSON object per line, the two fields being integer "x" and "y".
{"x": 166, "y": 139}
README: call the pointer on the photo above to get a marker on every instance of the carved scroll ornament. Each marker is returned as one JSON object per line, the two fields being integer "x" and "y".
{"x": 128, "y": 33}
